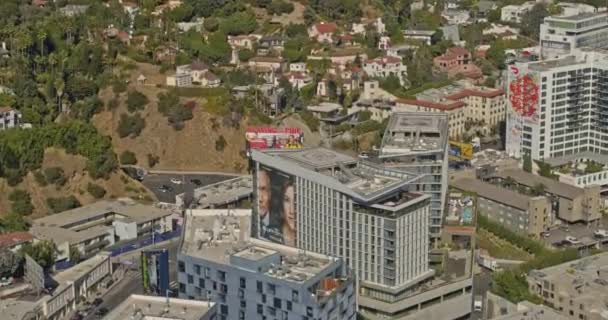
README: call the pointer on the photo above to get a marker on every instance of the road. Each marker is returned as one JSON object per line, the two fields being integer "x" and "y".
{"x": 154, "y": 181}
{"x": 131, "y": 283}
{"x": 481, "y": 285}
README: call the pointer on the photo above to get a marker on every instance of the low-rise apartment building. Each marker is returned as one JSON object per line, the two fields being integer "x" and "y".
{"x": 527, "y": 215}
{"x": 250, "y": 279}
{"x": 569, "y": 203}
{"x": 513, "y": 12}
{"x": 93, "y": 227}
{"x": 73, "y": 286}
{"x": 576, "y": 289}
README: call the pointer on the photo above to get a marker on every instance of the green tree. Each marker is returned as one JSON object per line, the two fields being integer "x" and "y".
{"x": 211, "y": 24}
{"x": 21, "y": 202}
{"x": 127, "y": 158}
{"x": 239, "y": 23}
{"x": 539, "y": 189}
{"x": 43, "y": 252}
{"x": 9, "y": 263}
{"x": 532, "y": 20}
{"x": 13, "y": 222}
{"x": 245, "y": 55}
{"x": 136, "y": 101}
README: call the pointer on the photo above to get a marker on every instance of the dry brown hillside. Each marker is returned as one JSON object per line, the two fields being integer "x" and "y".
{"x": 193, "y": 147}
{"x": 118, "y": 185}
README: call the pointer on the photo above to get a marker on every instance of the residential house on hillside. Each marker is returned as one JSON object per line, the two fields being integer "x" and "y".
{"x": 242, "y": 41}
{"x": 271, "y": 43}
{"x": 454, "y": 56}
{"x": 195, "y": 74}
{"x": 458, "y": 61}
{"x": 272, "y": 99}
{"x": 9, "y": 118}
{"x": 297, "y": 67}
{"x": 299, "y": 79}
{"x": 323, "y": 31}
{"x": 425, "y": 36}
{"x": 383, "y": 67}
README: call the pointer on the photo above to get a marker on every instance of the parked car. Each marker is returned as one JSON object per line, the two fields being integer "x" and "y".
{"x": 165, "y": 188}
{"x": 97, "y": 301}
{"x": 76, "y": 316}
{"x": 545, "y": 234}
{"x": 478, "y": 303}
{"x": 572, "y": 240}
{"x": 5, "y": 282}
{"x": 601, "y": 233}
{"x": 101, "y": 312}
{"x": 176, "y": 181}
{"x": 196, "y": 182}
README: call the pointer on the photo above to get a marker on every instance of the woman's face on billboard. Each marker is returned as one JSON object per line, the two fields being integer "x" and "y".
{"x": 263, "y": 191}
{"x": 289, "y": 207}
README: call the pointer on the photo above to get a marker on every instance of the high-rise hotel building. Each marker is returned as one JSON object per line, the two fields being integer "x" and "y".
{"x": 558, "y": 108}
{"x": 376, "y": 213}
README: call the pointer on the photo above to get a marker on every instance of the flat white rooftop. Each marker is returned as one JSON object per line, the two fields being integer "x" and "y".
{"x": 140, "y": 307}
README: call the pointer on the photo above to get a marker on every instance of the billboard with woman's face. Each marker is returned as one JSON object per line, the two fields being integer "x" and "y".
{"x": 276, "y": 211}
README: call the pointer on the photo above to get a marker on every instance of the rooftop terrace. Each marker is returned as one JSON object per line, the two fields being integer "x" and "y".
{"x": 413, "y": 132}
{"x": 221, "y": 193}
{"x": 222, "y": 236}
{"x": 139, "y": 307}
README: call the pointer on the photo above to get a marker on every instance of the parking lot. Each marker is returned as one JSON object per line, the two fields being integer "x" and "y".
{"x": 580, "y": 231}
{"x": 166, "y": 186}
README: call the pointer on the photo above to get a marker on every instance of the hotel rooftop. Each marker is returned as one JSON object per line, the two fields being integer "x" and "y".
{"x": 360, "y": 179}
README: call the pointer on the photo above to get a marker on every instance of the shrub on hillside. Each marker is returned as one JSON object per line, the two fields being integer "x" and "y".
{"x": 96, "y": 191}
{"x": 61, "y": 204}
{"x": 136, "y": 101}
{"x": 152, "y": 160}
{"x": 55, "y": 175}
{"x": 21, "y": 202}
{"x": 220, "y": 143}
{"x": 130, "y": 126}
{"x": 128, "y": 157}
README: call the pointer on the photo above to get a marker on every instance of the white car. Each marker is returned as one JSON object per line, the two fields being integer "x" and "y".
{"x": 601, "y": 233}
{"x": 5, "y": 282}
{"x": 176, "y": 181}
{"x": 572, "y": 240}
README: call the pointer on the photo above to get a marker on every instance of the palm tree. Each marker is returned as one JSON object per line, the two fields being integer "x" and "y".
{"x": 52, "y": 60}
{"x": 41, "y": 36}
{"x": 59, "y": 86}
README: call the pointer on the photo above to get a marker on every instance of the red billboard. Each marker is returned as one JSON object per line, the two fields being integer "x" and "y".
{"x": 273, "y": 138}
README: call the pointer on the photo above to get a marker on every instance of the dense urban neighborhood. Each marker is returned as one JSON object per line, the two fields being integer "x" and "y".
{"x": 303, "y": 159}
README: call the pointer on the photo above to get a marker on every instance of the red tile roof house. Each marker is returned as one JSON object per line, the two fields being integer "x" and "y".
{"x": 323, "y": 31}
{"x": 14, "y": 240}
{"x": 454, "y": 56}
